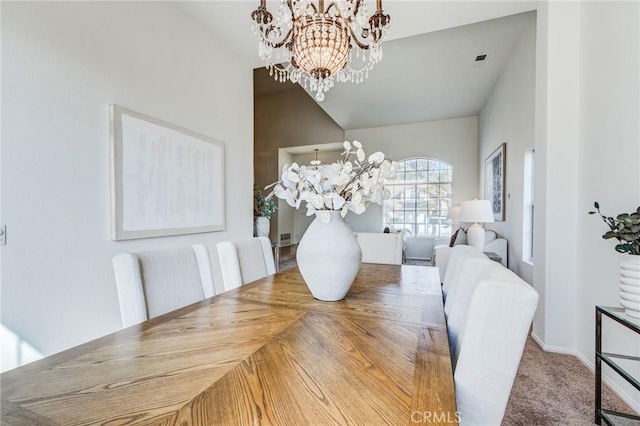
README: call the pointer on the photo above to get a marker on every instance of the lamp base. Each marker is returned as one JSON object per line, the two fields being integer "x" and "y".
{"x": 475, "y": 236}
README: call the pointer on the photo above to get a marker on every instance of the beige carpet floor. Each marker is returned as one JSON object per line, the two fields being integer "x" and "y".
{"x": 550, "y": 389}
{"x": 555, "y": 389}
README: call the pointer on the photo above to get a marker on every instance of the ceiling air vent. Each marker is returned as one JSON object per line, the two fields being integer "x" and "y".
{"x": 480, "y": 60}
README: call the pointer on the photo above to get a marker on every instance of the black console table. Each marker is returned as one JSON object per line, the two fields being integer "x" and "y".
{"x": 614, "y": 361}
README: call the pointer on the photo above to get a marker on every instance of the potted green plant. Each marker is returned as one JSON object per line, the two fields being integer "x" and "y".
{"x": 625, "y": 228}
{"x": 262, "y": 209}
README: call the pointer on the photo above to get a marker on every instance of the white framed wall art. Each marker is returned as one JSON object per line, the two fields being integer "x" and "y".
{"x": 165, "y": 180}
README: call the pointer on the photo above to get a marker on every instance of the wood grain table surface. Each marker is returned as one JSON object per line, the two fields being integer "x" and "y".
{"x": 266, "y": 353}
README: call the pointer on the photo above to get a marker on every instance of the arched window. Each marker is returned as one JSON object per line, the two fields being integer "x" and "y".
{"x": 420, "y": 198}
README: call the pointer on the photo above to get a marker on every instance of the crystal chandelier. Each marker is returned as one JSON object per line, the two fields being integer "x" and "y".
{"x": 312, "y": 44}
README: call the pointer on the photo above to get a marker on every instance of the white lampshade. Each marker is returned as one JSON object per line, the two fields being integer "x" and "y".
{"x": 453, "y": 213}
{"x": 476, "y": 211}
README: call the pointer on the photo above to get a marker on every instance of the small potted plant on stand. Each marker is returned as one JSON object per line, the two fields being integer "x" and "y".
{"x": 626, "y": 229}
{"x": 262, "y": 209}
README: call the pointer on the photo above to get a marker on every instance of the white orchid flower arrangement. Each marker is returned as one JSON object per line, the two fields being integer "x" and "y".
{"x": 346, "y": 185}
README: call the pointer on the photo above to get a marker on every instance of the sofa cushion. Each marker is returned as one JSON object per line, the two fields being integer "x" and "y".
{"x": 461, "y": 238}
{"x": 489, "y": 236}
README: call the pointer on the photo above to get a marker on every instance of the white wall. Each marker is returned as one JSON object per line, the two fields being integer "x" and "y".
{"x": 587, "y": 141}
{"x": 509, "y": 116}
{"x": 454, "y": 141}
{"x": 540, "y": 172}
{"x": 556, "y": 143}
{"x": 14, "y": 351}
{"x": 587, "y": 149}
{"x": 63, "y": 63}
{"x": 609, "y": 165}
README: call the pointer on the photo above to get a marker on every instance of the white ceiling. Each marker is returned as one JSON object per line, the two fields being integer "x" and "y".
{"x": 428, "y": 70}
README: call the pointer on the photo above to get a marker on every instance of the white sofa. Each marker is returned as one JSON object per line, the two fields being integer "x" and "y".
{"x": 442, "y": 251}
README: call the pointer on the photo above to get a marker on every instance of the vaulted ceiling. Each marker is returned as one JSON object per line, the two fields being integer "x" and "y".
{"x": 428, "y": 71}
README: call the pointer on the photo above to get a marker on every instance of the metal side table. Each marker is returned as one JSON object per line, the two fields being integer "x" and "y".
{"x": 616, "y": 362}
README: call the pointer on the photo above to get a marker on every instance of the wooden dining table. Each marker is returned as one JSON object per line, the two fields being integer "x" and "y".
{"x": 265, "y": 353}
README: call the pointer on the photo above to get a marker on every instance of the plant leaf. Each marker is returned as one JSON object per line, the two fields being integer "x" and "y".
{"x": 622, "y": 248}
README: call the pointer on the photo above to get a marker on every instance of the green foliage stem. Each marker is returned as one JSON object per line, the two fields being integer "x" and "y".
{"x": 262, "y": 206}
{"x": 625, "y": 228}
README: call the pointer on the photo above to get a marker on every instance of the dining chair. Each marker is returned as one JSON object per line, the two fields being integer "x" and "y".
{"x": 380, "y": 247}
{"x": 489, "y": 346}
{"x": 472, "y": 270}
{"x": 154, "y": 282}
{"x": 245, "y": 260}
{"x": 456, "y": 254}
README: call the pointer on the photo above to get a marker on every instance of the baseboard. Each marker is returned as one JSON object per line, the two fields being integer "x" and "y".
{"x": 551, "y": 348}
{"x": 635, "y": 405}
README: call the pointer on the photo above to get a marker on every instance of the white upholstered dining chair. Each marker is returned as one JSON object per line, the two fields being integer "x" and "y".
{"x": 154, "y": 282}
{"x": 452, "y": 273}
{"x": 472, "y": 269}
{"x": 380, "y": 247}
{"x": 488, "y": 348}
{"x": 245, "y": 260}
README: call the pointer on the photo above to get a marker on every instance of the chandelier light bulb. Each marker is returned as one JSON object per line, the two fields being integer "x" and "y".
{"x": 313, "y": 43}
{"x": 316, "y": 162}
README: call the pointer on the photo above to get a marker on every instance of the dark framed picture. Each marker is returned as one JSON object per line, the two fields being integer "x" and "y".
{"x": 494, "y": 177}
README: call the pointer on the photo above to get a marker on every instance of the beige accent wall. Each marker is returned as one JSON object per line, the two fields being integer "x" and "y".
{"x": 286, "y": 119}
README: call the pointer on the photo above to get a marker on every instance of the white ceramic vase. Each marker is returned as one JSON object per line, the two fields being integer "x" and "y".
{"x": 329, "y": 256}
{"x": 630, "y": 286}
{"x": 263, "y": 226}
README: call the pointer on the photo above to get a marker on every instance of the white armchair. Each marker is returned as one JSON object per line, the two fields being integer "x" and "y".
{"x": 379, "y": 247}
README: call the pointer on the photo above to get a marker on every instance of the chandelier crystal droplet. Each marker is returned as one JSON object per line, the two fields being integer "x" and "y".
{"x": 312, "y": 43}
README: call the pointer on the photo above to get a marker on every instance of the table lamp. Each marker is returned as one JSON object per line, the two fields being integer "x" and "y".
{"x": 476, "y": 212}
{"x": 453, "y": 213}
